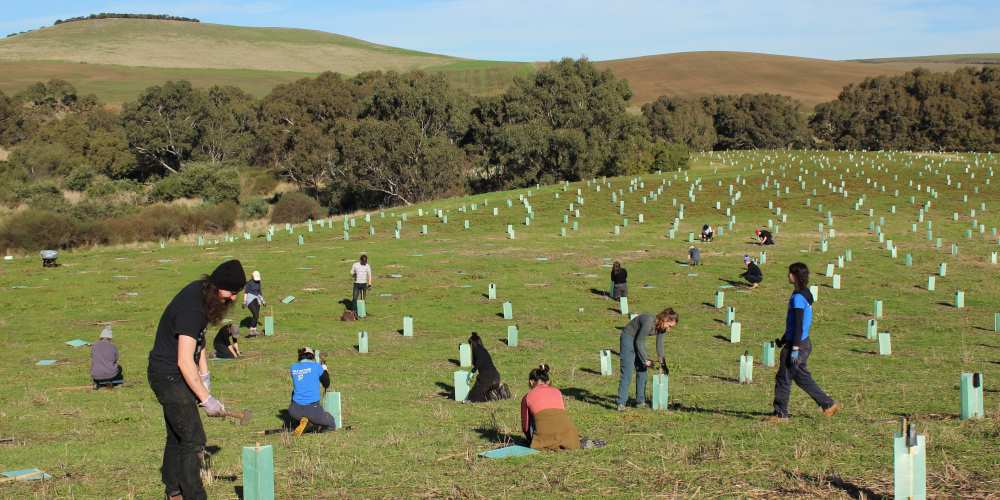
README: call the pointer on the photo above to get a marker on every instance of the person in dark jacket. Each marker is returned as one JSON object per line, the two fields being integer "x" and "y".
{"x": 488, "y": 386}
{"x": 753, "y": 274}
{"x": 226, "y": 342}
{"x": 795, "y": 349}
{"x": 632, "y": 351}
{"x": 694, "y": 256}
{"x": 764, "y": 237}
{"x": 619, "y": 281}
{"x": 253, "y": 299}
{"x": 308, "y": 374}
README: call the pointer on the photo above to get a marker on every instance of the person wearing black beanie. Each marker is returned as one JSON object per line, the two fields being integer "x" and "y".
{"x": 178, "y": 374}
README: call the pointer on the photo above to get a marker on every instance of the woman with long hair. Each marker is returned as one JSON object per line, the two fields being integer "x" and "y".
{"x": 619, "y": 281}
{"x": 632, "y": 349}
{"x": 543, "y": 415}
{"x": 488, "y": 386}
{"x": 796, "y": 347}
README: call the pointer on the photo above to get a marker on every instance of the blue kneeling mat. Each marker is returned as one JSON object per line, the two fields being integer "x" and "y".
{"x": 509, "y": 451}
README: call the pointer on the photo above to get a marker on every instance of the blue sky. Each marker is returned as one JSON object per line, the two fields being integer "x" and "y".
{"x": 533, "y": 30}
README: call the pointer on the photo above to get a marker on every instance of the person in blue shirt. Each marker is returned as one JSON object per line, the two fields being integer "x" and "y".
{"x": 307, "y": 377}
{"x": 796, "y": 347}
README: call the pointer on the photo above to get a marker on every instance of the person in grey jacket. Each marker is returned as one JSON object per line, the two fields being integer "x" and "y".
{"x": 104, "y": 367}
{"x": 633, "y": 352}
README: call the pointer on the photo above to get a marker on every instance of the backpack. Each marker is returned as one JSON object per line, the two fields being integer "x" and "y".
{"x": 348, "y": 316}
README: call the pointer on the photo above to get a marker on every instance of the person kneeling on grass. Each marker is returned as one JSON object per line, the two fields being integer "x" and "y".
{"x": 544, "y": 419}
{"x": 753, "y": 274}
{"x": 707, "y": 233}
{"x": 104, "y": 367}
{"x": 488, "y": 386}
{"x": 307, "y": 377}
{"x": 226, "y": 342}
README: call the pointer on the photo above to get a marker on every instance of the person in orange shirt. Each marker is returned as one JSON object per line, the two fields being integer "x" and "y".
{"x": 544, "y": 419}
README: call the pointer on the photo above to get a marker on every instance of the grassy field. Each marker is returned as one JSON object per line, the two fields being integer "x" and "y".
{"x": 118, "y": 58}
{"x": 409, "y": 439}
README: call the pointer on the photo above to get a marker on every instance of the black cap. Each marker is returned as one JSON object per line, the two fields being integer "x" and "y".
{"x": 229, "y": 276}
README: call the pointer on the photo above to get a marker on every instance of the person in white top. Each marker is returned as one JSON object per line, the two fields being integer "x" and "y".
{"x": 361, "y": 271}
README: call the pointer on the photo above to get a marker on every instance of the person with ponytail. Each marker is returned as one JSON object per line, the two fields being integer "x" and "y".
{"x": 632, "y": 352}
{"x": 795, "y": 351}
{"x": 544, "y": 419}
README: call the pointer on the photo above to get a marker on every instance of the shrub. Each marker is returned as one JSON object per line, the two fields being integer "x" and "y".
{"x": 79, "y": 179}
{"x": 41, "y": 229}
{"x": 208, "y": 182}
{"x": 257, "y": 181}
{"x": 255, "y": 208}
{"x": 296, "y": 207}
{"x": 671, "y": 156}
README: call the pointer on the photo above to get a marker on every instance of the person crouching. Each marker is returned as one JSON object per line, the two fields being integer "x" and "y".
{"x": 307, "y": 377}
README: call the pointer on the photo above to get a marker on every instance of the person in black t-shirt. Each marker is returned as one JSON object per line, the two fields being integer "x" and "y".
{"x": 225, "y": 343}
{"x": 178, "y": 374}
{"x": 753, "y": 275}
{"x": 487, "y": 383}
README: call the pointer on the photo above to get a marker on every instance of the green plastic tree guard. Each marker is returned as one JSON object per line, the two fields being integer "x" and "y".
{"x": 730, "y": 315}
{"x": 465, "y": 223}
{"x": 268, "y": 326}
{"x": 347, "y": 235}
{"x": 508, "y": 311}
{"x": 996, "y": 322}
{"x": 872, "y": 331}
{"x": 661, "y": 391}
{"x": 623, "y": 305}
{"x": 734, "y": 332}
{"x": 363, "y": 342}
{"x": 829, "y": 270}
{"x": 562, "y": 231}
{"x": 258, "y": 472}
{"x": 959, "y": 299}
{"x": 972, "y": 396}
{"x": 362, "y": 308}
{"x": 606, "y": 362}
{"x": 720, "y": 298}
{"x": 407, "y": 326}
{"x": 909, "y": 464}
{"x": 884, "y": 344}
{"x": 423, "y": 229}
{"x": 511, "y": 335}
{"x": 491, "y": 291}
{"x": 878, "y": 309}
{"x": 836, "y": 282}
{"x": 746, "y": 368}
{"x": 331, "y": 403}
{"x": 461, "y": 380}
{"x": 931, "y": 280}
{"x": 768, "y": 354}
{"x": 268, "y": 237}
{"x": 814, "y": 290}
{"x": 395, "y": 234}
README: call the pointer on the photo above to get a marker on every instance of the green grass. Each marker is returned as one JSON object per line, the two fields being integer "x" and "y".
{"x": 409, "y": 439}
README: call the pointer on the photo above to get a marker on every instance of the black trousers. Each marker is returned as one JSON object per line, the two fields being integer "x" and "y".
{"x": 117, "y": 379}
{"x": 185, "y": 446}
{"x": 255, "y": 313}
{"x": 802, "y": 378}
{"x": 484, "y": 382}
{"x": 360, "y": 291}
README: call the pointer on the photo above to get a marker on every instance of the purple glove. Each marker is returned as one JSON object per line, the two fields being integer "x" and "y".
{"x": 213, "y": 407}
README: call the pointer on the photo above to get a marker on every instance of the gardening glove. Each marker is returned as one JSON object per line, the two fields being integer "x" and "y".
{"x": 213, "y": 407}
{"x": 663, "y": 367}
{"x": 206, "y": 380}
{"x": 795, "y": 357}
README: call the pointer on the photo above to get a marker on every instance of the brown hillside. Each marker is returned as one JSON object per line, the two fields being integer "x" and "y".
{"x": 694, "y": 74}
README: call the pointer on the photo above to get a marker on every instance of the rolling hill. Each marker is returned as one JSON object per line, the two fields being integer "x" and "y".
{"x": 117, "y": 58}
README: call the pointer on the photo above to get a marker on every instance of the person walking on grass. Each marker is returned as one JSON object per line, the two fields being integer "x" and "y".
{"x": 795, "y": 349}
{"x": 753, "y": 274}
{"x": 179, "y": 377}
{"x": 632, "y": 351}
{"x": 308, "y": 375}
{"x": 361, "y": 271}
{"x": 104, "y": 367}
{"x": 619, "y": 281}
{"x": 253, "y": 299}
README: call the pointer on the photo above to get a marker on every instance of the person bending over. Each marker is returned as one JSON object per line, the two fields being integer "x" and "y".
{"x": 226, "y": 342}
{"x": 707, "y": 233}
{"x": 619, "y": 281}
{"x": 104, "y": 367}
{"x": 764, "y": 237}
{"x": 306, "y": 405}
{"x": 633, "y": 352}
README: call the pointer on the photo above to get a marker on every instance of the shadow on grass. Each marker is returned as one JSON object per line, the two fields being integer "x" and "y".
{"x": 858, "y": 335}
{"x": 852, "y": 490}
{"x": 493, "y": 435}
{"x": 990, "y": 330}
{"x": 708, "y": 304}
{"x": 863, "y": 351}
{"x": 590, "y": 371}
{"x": 455, "y": 362}
{"x": 585, "y": 396}
{"x": 287, "y": 422}
{"x": 946, "y": 304}
{"x": 749, "y": 415}
{"x": 735, "y": 284}
{"x": 720, "y": 321}
{"x": 347, "y": 303}
{"x": 600, "y": 293}
{"x": 720, "y": 337}
{"x": 447, "y": 391}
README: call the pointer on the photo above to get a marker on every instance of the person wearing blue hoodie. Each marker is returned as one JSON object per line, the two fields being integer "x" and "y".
{"x": 795, "y": 349}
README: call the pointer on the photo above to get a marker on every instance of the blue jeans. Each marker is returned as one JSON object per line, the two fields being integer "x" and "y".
{"x": 629, "y": 362}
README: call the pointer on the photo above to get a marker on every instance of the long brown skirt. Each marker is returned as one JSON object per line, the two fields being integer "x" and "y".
{"x": 554, "y": 431}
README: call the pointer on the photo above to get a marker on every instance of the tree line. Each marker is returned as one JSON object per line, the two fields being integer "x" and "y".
{"x": 118, "y": 15}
